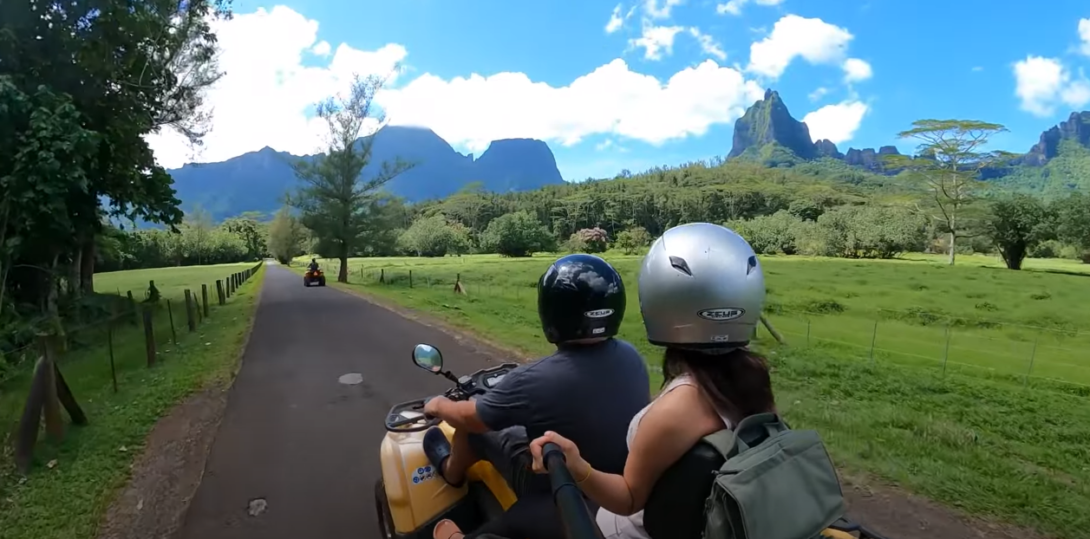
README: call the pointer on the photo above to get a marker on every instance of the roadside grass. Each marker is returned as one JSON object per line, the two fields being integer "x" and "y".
{"x": 170, "y": 281}
{"x": 73, "y": 483}
{"x": 970, "y": 436}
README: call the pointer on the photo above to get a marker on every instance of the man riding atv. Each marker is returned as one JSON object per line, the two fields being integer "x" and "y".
{"x": 313, "y": 265}
{"x": 589, "y": 389}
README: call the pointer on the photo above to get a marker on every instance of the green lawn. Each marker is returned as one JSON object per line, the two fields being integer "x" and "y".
{"x": 65, "y": 500}
{"x": 970, "y": 435}
{"x": 170, "y": 281}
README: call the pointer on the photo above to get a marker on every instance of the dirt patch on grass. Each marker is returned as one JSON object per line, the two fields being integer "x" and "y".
{"x": 897, "y": 514}
{"x": 166, "y": 475}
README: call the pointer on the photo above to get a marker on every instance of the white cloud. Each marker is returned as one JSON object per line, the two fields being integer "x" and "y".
{"x": 267, "y": 93}
{"x": 263, "y": 99}
{"x": 656, "y": 40}
{"x": 978, "y": 69}
{"x": 813, "y": 40}
{"x": 734, "y": 7}
{"x": 660, "y": 9}
{"x": 818, "y": 94}
{"x": 615, "y": 20}
{"x": 708, "y": 44}
{"x": 1084, "y": 36}
{"x": 838, "y": 122}
{"x": 1042, "y": 84}
{"x": 856, "y": 70}
{"x": 610, "y": 100}
{"x": 322, "y": 48}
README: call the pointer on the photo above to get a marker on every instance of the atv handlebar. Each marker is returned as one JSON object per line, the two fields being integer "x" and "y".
{"x": 578, "y": 522}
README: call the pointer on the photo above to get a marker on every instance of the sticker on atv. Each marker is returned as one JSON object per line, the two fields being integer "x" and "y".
{"x": 423, "y": 474}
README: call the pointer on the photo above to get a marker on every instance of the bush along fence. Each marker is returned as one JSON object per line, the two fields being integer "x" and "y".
{"x": 137, "y": 334}
{"x": 1046, "y": 357}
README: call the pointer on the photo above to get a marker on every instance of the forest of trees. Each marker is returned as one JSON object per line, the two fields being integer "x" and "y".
{"x": 81, "y": 85}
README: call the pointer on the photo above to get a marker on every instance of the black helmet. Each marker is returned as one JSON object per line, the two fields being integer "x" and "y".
{"x": 580, "y": 297}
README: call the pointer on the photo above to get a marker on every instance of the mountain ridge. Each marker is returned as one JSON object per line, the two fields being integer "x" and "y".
{"x": 767, "y": 127}
{"x": 257, "y": 181}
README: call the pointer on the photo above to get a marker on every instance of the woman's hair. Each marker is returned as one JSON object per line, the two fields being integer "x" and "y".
{"x": 738, "y": 383}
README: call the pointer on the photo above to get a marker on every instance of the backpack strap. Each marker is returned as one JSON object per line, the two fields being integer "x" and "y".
{"x": 723, "y": 441}
{"x": 750, "y": 431}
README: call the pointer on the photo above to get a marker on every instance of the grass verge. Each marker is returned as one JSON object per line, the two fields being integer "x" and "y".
{"x": 73, "y": 483}
{"x": 986, "y": 446}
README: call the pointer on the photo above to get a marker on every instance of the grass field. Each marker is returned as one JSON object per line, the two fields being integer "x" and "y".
{"x": 170, "y": 281}
{"x": 971, "y": 431}
{"x": 72, "y": 483}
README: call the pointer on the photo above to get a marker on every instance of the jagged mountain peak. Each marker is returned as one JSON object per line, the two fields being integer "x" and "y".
{"x": 768, "y": 121}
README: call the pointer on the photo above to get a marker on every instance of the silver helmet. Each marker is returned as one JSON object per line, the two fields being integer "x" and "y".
{"x": 701, "y": 287}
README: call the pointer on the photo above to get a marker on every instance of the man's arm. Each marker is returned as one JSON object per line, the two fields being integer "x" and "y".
{"x": 462, "y": 415}
{"x": 505, "y": 405}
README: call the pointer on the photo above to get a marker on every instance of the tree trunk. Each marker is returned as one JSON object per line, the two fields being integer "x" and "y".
{"x": 75, "y": 271}
{"x": 342, "y": 273}
{"x": 953, "y": 238}
{"x": 87, "y": 268}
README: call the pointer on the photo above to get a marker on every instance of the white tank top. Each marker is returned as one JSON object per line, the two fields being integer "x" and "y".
{"x": 616, "y": 526}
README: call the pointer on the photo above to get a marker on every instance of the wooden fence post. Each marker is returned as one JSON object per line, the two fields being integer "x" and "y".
{"x": 458, "y": 289}
{"x": 170, "y": 314}
{"x": 204, "y": 299}
{"x": 219, "y": 292}
{"x": 149, "y": 336}
{"x": 382, "y": 275}
{"x": 54, "y": 427}
{"x": 410, "y": 278}
{"x": 132, "y": 307}
{"x": 190, "y": 319}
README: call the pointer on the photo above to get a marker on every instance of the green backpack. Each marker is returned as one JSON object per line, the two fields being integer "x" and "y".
{"x": 783, "y": 486}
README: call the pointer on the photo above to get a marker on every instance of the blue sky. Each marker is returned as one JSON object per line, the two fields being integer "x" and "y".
{"x": 927, "y": 59}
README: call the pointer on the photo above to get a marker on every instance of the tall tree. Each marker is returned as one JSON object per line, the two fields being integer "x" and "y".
{"x": 335, "y": 204}
{"x": 285, "y": 236}
{"x": 950, "y": 156}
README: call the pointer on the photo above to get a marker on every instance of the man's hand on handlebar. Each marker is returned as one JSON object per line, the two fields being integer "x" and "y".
{"x": 579, "y": 468}
{"x": 431, "y": 409}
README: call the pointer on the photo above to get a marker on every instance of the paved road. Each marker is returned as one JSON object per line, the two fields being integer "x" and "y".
{"x": 296, "y": 437}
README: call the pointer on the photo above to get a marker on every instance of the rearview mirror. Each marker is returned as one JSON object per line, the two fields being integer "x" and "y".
{"x": 428, "y": 357}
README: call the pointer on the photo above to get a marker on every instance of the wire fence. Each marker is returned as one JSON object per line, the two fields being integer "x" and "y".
{"x": 136, "y": 334}
{"x": 1044, "y": 357}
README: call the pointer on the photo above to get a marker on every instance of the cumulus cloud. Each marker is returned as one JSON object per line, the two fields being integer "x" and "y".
{"x": 1042, "y": 84}
{"x": 267, "y": 95}
{"x": 264, "y": 98}
{"x": 813, "y": 40}
{"x": 615, "y": 20}
{"x": 838, "y": 122}
{"x": 656, "y": 40}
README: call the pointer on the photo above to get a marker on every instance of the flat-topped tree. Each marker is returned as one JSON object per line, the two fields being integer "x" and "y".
{"x": 950, "y": 156}
{"x": 334, "y": 203}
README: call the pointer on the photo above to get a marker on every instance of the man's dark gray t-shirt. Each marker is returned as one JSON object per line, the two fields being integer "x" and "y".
{"x": 587, "y": 394}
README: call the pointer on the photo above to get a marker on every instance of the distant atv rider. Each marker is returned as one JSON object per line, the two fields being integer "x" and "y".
{"x": 589, "y": 389}
{"x": 313, "y": 265}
